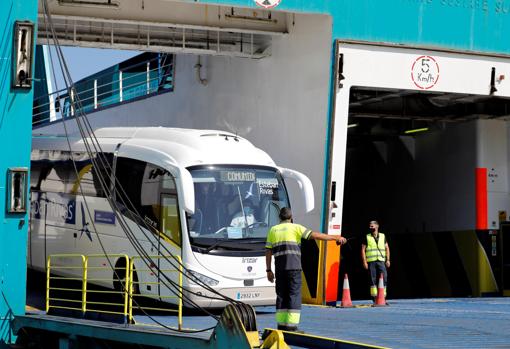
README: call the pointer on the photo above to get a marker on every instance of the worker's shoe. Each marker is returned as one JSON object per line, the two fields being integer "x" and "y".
{"x": 288, "y": 328}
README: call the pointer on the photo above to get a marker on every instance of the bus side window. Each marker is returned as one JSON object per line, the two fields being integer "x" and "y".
{"x": 57, "y": 174}
{"x": 150, "y": 197}
{"x": 38, "y": 173}
{"x": 88, "y": 180}
{"x": 159, "y": 202}
{"x": 170, "y": 224}
{"x": 105, "y": 164}
{"x": 129, "y": 174}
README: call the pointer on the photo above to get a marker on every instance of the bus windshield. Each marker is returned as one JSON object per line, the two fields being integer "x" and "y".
{"x": 235, "y": 203}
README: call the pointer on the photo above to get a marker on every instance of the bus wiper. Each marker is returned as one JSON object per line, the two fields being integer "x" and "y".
{"x": 252, "y": 240}
{"x": 213, "y": 246}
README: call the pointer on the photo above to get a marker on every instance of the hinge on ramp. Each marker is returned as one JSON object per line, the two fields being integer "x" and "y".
{"x": 276, "y": 339}
{"x": 237, "y": 328}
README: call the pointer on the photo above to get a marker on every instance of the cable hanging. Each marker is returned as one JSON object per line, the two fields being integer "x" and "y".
{"x": 99, "y": 161}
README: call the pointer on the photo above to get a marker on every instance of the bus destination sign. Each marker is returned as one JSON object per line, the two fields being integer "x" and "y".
{"x": 237, "y": 176}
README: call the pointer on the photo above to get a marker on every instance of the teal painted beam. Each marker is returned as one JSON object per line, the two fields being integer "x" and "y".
{"x": 15, "y": 134}
{"x": 110, "y": 331}
{"x": 474, "y": 25}
{"x": 228, "y": 333}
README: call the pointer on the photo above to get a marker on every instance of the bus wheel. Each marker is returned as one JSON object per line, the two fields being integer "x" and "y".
{"x": 119, "y": 278}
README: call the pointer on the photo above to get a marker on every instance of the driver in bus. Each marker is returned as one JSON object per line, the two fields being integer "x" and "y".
{"x": 241, "y": 220}
{"x": 204, "y": 220}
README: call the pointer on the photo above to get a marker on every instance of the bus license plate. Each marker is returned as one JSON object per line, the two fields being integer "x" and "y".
{"x": 248, "y": 295}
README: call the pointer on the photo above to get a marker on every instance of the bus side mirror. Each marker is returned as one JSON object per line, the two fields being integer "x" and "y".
{"x": 188, "y": 189}
{"x": 305, "y": 184}
{"x": 185, "y": 182}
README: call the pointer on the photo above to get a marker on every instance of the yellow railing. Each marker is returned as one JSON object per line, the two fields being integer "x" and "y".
{"x": 164, "y": 293}
{"x": 68, "y": 264}
{"x": 100, "y": 272}
{"x": 74, "y": 272}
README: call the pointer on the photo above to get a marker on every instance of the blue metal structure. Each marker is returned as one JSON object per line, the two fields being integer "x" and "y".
{"x": 15, "y": 135}
{"x": 470, "y": 25}
{"x": 474, "y": 25}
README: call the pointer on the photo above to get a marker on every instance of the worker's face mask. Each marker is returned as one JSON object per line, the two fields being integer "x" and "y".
{"x": 372, "y": 229}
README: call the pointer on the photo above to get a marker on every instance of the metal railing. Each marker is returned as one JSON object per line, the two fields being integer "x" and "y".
{"x": 69, "y": 297}
{"x": 68, "y": 277}
{"x": 163, "y": 292}
{"x": 113, "y": 87}
{"x": 166, "y": 37}
{"x": 97, "y": 273}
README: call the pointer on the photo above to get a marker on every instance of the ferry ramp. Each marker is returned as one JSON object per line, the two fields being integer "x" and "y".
{"x": 414, "y": 323}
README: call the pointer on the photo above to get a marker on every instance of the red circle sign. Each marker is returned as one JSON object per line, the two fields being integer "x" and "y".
{"x": 268, "y": 3}
{"x": 425, "y": 72}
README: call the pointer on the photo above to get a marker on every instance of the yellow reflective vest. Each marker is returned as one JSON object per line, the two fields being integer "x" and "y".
{"x": 284, "y": 241}
{"x": 376, "y": 251}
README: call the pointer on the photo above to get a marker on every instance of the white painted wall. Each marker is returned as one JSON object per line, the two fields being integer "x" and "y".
{"x": 492, "y": 153}
{"x": 280, "y": 103}
{"x": 445, "y": 174}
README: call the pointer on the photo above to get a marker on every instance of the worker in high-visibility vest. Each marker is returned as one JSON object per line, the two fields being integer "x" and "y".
{"x": 375, "y": 254}
{"x": 284, "y": 242}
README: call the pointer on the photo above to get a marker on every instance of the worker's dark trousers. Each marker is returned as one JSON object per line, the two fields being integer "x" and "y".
{"x": 375, "y": 269}
{"x": 288, "y": 299}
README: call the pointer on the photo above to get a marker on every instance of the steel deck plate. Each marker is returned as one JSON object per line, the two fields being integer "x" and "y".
{"x": 420, "y": 323}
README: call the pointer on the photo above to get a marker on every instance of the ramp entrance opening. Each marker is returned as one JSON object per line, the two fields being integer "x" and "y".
{"x": 410, "y": 163}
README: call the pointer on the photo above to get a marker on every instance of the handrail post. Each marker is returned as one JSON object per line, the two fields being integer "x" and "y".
{"x": 126, "y": 288}
{"x": 72, "y": 101}
{"x": 179, "y": 319}
{"x": 95, "y": 93}
{"x": 120, "y": 86}
{"x": 130, "y": 289}
{"x": 148, "y": 78}
{"x": 85, "y": 262}
{"x": 48, "y": 273}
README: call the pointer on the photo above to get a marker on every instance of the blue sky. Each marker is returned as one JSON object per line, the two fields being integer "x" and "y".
{"x": 83, "y": 62}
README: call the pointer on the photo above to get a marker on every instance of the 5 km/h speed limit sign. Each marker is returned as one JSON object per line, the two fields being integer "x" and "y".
{"x": 425, "y": 72}
{"x": 268, "y": 3}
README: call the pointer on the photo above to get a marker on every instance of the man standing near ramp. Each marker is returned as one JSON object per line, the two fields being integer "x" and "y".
{"x": 375, "y": 254}
{"x": 284, "y": 242}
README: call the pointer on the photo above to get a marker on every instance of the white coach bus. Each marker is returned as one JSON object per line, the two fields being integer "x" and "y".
{"x": 209, "y": 197}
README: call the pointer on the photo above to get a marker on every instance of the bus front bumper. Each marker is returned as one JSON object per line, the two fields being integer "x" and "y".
{"x": 256, "y": 296}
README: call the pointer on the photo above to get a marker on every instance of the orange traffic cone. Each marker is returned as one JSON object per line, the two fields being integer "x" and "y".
{"x": 380, "y": 301}
{"x": 346, "y": 294}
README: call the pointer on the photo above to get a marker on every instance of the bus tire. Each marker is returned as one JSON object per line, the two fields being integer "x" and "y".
{"x": 119, "y": 277}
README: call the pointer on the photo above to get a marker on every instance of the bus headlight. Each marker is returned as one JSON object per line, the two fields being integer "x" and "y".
{"x": 205, "y": 279}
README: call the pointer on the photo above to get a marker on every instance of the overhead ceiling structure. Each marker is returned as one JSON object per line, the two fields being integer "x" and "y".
{"x": 391, "y": 112}
{"x": 427, "y": 106}
{"x": 163, "y": 26}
